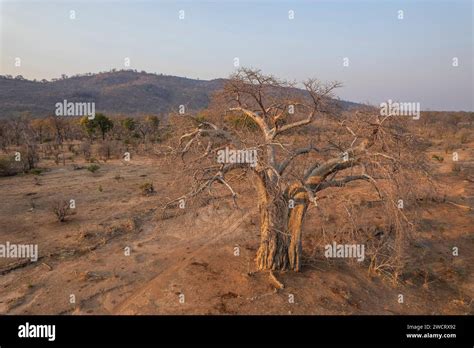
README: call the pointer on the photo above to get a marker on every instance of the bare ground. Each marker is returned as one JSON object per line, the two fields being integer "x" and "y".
{"x": 192, "y": 253}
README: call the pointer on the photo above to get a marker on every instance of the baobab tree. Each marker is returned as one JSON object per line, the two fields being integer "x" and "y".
{"x": 289, "y": 178}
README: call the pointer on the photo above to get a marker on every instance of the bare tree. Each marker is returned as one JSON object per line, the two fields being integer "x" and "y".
{"x": 288, "y": 177}
{"x": 57, "y": 126}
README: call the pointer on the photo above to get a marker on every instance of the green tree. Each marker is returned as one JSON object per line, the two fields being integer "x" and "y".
{"x": 100, "y": 121}
{"x": 103, "y": 123}
{"x": 129, "y": 124}
{"x": 88, "y": 125}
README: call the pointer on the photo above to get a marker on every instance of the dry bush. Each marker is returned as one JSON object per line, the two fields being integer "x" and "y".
{"x": 9, "y": 167}
{"x": 30, "y": 156}
{"x": 93, "y": 168}
{"x": 464, "y": 136}
{"x": 61, "y": 209}
{"x": 85, "y": 148}
{"x": 28, "y": 161}
{"x": 147, "y": 188}
{"x": 58, "y": 154}
{"x": 109, "y": 149}
{"x": 456, "y": 168}
{"x": 104, "y": 150}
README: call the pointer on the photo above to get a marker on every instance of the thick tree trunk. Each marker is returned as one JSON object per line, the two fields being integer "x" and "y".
{"x": 280, "y": 230}
{"x": 295, "y": 223}
{"x": 274, "y": 237}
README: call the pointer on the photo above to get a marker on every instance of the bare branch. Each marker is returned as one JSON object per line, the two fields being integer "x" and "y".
{"x": 296, "y": 153}
{"x": 348, "y": 179}
{"x": 257, "y": 119}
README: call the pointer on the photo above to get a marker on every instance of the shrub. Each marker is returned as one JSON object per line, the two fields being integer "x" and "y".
{"x": 438, "y": 158}
{"x": 464, "y": 136}
{"x": 105, "y": 150}
{"x": 108, "y": 149}
{"x": 31, "y": 157}
{"x": 93, "y": 168}
{"x": 86, "y": 150}
{"x": 129, "y": 123}
{"x": 147, "y": 188}
{"x": 28, "y": 160}
{"x": 61, "y": 209}
{"x": 36, "y": 171}
{"x": 9, "y": 167}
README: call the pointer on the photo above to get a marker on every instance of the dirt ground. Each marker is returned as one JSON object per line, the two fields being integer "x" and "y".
{"x": 186, "y": 264}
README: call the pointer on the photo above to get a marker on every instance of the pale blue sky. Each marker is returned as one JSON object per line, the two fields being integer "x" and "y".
{"x": 406, "y": 60}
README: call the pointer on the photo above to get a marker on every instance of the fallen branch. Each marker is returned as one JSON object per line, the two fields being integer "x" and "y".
{"x": 459, "y": 205}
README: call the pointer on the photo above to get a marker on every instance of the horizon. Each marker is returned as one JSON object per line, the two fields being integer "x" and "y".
{"x": 88, "y": 74}
{"x": 409, "y": 59}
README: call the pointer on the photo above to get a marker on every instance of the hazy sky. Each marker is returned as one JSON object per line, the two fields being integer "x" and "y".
{"x": 409, "y": 59}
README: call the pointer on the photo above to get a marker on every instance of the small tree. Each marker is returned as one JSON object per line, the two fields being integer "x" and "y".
{"x": 100, "y": 121}
{"x": 39, "y": 126}
{"x": 103, "y": 123}
{"x": 31, "y": 156}
{"x": 129, "y": 124}
{"x": 149, "y": 127}
{"x": 88, "y": 125}
{"x": 57, "y": 125}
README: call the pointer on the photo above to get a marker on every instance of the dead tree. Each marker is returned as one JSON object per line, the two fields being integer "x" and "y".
{"x": 278, "y": 110}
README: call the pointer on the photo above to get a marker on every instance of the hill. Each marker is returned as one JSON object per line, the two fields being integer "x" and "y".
{"x": 116, "y": 92}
